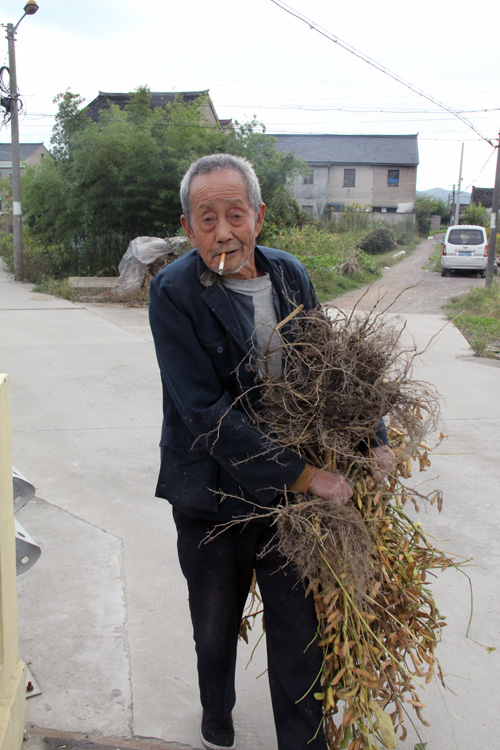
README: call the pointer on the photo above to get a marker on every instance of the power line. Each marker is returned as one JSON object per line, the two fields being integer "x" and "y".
{"x": 280, "y": 131}
{"x": 354, "y": 110}
{"x": 325, "y": 109}
{"x": 480, "y": 171}
{"x": 314, "y": 26}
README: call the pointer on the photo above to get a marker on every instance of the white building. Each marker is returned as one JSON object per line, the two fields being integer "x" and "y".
{"x": 377, "y": 172}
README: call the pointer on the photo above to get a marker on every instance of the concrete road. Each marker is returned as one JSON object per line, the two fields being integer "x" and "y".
{"x": 103, "y": 615}
{"x": 410, "y": 286}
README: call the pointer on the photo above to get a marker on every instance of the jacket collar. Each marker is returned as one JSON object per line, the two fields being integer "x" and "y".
{"x": 216, "y": 297}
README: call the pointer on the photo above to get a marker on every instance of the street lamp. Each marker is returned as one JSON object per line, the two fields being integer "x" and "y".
{"x": 17, "y": 217}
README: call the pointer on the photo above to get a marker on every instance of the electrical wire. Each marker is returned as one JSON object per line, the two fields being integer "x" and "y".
{"x": 331, "y": 37}
{"x": 355, "y": 110}
{"x": 480, "y": 171}
{"x": 5, "y": 95}
{"x": 6, "y": 99}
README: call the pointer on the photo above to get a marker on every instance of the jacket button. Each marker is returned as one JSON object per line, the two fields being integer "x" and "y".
{"x": 248, "y": 367}
{"x": 220, "y": 349}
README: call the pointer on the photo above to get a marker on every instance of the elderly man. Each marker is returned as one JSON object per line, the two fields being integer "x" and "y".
{"x": 212, "y": 314}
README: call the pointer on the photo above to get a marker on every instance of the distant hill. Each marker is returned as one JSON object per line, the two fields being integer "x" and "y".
{"x": 444, "y": 195}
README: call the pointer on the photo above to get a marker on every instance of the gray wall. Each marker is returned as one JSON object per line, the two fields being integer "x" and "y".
{"x": 390, "y": 219}
{"x": 370, "y": 189}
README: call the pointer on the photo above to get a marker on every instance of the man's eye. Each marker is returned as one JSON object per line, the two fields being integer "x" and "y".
{"x": 236, "y": 217}
{"x": 207, "y": 220}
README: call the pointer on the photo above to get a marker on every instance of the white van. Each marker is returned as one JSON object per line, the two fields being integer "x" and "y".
{"x": 465, "y": 248}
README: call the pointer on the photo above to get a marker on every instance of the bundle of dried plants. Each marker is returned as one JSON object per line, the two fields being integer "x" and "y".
{"x": 341, "y": 375}
{"x": 367, "y": 564}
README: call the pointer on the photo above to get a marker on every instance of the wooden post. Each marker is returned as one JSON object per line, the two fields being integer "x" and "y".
{"x": 12, "y": 669}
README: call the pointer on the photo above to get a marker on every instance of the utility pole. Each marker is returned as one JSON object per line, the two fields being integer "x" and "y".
{"x": 459, "y": 187}
{"x": 493, "y": 222}
{"x": 17, "y": 217}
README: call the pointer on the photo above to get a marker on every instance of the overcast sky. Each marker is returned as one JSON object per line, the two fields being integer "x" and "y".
{"x": 258, "y": 60}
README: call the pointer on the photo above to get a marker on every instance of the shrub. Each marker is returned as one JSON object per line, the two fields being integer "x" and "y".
{"x": 7, "y": 249}
{"x": 425, "y": 207}
{"x": 355, "y": 216}
{"x": 476, "y": 214}
{"x": 423, "y": 224}
{"x": 323, "y": 253}
{"x": 379, "y": 241}
{"x": 53, "y": 261}
{"x": 405, "y": 232}
{"x": 366, "y": 262}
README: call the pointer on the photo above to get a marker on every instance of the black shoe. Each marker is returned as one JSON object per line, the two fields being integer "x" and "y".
{"x": 215, "y": 734}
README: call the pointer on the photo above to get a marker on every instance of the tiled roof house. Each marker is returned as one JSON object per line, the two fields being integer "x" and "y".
{"x": 484, "y": 196}
{"x": 29, "y": 153}
{"x": 158, "y": 99}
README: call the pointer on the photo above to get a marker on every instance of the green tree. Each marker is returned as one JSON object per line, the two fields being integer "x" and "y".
{"x": 139, "y": 107}
{"x": 442, "y": 209}
{"x": 425, "y": 207}
{"x": 49, "y": 202}
{"x": 69, "y": 121}
{"x": 476, "y": 214}
{"x": 117, "y": 179}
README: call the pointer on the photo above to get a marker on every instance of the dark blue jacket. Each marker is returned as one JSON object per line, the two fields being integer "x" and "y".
{"x": 209, "y": 445}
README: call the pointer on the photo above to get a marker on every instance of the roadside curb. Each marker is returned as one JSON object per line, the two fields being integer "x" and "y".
{"x": 47, "y": 739}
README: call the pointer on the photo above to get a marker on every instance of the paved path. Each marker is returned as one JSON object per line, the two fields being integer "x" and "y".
{"x": 104, "y": 621}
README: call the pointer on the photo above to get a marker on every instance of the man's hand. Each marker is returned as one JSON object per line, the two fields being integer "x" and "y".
{"x": 329, "y": 486}
{"x": 383, "y": 462}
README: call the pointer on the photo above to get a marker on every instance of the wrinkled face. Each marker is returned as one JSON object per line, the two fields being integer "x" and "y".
{"x": 222, "y": 220}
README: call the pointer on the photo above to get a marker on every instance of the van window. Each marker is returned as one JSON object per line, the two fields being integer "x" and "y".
{"x": 466, "y": 237}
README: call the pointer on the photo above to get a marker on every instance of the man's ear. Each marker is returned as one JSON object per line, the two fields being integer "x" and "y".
{"x": 260, "y": 218}
{"x": 187, "y": 227}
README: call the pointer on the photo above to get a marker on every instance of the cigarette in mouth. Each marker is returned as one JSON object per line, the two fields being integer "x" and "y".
{"x": 221, "y": 264}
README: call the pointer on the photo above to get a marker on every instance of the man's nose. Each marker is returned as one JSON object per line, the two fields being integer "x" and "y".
{"x": 223, "y": 230}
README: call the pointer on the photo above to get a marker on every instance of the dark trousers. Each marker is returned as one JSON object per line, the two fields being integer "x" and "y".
{"x": 219, "y": 573}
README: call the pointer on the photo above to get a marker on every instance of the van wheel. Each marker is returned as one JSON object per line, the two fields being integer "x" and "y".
{"x": 444, "y": 272}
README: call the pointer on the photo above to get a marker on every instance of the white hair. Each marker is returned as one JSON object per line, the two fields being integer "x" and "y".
{"x": 221, "y": 163}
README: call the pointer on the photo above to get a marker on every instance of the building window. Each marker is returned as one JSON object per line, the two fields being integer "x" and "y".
{"x": 308, "y": 209}
{"x": 349, "y": 178}
{"x": 393, "y": 177}
{"x": 309, "y": 178}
